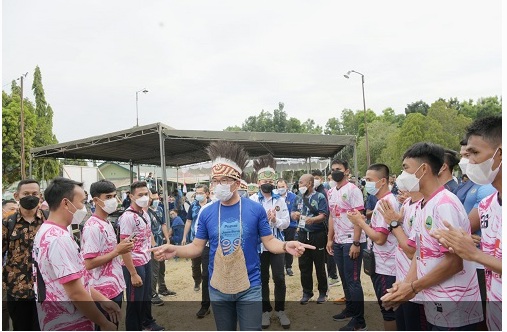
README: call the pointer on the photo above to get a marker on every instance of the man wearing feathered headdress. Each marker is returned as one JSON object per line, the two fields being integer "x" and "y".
{"x": 279, "y": 219}
{"x": 233, "y": 226}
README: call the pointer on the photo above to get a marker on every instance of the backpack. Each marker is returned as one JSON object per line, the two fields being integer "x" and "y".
{"x": 116, "y": 221}
{"x": 10, "y": 222}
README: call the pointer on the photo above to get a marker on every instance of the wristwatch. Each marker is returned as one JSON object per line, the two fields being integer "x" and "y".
{"x": 393, "y": 225}
{"x": 356, "y": 243}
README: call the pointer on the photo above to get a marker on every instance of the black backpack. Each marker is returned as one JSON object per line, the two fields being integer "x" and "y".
{"x": 10, "y": 222}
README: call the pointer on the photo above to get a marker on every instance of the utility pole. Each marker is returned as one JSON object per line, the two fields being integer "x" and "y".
{"x": 23, "y": 171}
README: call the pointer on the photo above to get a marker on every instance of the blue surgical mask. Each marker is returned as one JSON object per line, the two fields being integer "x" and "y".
{"x": 199, "y": 198}
{"x": 371, "y": 188}
{"x": 282, "y": 191}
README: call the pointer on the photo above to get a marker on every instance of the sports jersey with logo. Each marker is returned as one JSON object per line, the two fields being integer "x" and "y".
{"x": 348, "y": 197}
{"x": 132, "y": 223}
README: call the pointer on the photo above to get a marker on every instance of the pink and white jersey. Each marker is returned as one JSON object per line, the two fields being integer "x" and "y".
{"x": 348, "y": 197}
{"x": 385, "y": 262}
{"x": 402, "y": 261}
{"x": 131, "y": 222}
{"x": 456, "y": 301}
{"x": 98, "y": 239}
{"x": 490, "y": 213}
{"x": 59, "y": 262}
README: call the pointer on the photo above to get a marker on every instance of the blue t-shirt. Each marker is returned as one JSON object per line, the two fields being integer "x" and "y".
{"x": 371, "y": 202}
{"x": 156, "y": 225}
{"x": 290, "y": 200}
{"x": 193, "y": 212}
{"x": 178, "y": 226}
{"x": 255, "y": 225}
{"x": 475, "y": 195}
{"x": 319, "y": 202}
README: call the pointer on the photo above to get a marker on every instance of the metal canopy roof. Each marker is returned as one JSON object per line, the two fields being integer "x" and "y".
{"x": 141, "y": 145}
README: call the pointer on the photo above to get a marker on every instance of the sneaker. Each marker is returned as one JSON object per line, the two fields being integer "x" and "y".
{"x": 202, "y": 312}
{"x": 306, "y": 298}
{"x": 168, "y": 292}
{"x": 344, "y": 315}
{"x": 155, "y": 300}
{"x": 284, "y": 320}
{"x": 197, "y": 286}
{"x": 341, "y": 300}
{"x": 266, "y": 319}
{"x": 322, "y": 298}
{"x": 153, "y": 327}
{"x": 352, "y": 326}
{"x": 334, "y": 282}
{"x": 289, "y": 272}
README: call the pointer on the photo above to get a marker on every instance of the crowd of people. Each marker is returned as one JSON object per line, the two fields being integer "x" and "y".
{"x": 430, "y": 244}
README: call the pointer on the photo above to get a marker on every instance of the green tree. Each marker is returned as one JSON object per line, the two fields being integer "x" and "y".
{"x": 43, "y": 169}
{"x": 379, "y": 132}
{"x": 454, "y": 124}
{"x": 417, "y": 107}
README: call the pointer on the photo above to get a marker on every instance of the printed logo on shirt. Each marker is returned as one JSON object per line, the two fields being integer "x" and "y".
{"x": 484, "y": 220}
{"x": 344, "y": 196}
{"x": 277, "y": 208}
{"x": 439, "y": 307}
{"x": 429, "y": 223}
{"x": 410, "y": 222}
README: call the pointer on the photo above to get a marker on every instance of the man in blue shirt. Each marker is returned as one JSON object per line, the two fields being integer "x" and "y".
{"x": 311, "y": 210}
{"x": 289, "y": 232}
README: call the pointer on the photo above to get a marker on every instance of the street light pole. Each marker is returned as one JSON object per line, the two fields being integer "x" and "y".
{"x": 22, "y": 115}
{"x": 365, "y": 123}
{"x": 137, "y": 105}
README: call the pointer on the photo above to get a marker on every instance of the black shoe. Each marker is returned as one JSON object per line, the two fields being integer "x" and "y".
{"x": 322, "y": 298}
{"x": 352, "y": 326}
{"x": 197, "y": 286}
{"x": 289, "y": 272}
{"x": 155, "y": 300}
{"x": 153, "y": 327}
{"x": 344, "y": 315}
{"x": 202, "y": 312}
{"x": 168, "y": 292}
{"x": 306, "y": 298}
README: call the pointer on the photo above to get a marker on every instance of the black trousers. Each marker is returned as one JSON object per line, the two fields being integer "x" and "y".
{"x": 310, "y": 258}
{"x": 205, "y": 300}
{"x": 23, "y": 313}
{"x": 196, "y": 269}
{"x": 290, "y": 235}
{"x": 276, "y": 261}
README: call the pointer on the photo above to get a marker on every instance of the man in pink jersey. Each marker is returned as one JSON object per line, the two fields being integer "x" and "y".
{"x": 136, "y": 264}
{"x": 65, "y": 298}
{"x": 449, "y": 284}
{"x": 380, "y": 237}
{"x": 485, "y": 154}
{"x": 346, "y": 243}
{"x": 99, "y": 247}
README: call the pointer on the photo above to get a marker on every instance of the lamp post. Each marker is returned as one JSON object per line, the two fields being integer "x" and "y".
{"x": 22, "y": 120}
{"x": 364, "y": 107}
{"x": 137, "y": 105}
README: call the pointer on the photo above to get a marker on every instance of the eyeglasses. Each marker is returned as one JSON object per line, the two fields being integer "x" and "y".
{"x": 222, "y": 181}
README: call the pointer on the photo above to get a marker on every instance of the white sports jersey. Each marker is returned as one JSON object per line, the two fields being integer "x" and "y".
{"x": 59, "y": 262}
{"x": 348, "y": 197}
{"x": 282, "y": 214}
{"x": 98, "y": 239}
{"x": 456, "y": 301}
{"x": 384, "y": 254}
{"x": 131, "y": 222}
{"x": 490, "y": 212}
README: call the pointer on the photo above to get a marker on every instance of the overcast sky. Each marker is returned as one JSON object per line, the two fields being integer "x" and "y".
{"x": 211, "y": 64}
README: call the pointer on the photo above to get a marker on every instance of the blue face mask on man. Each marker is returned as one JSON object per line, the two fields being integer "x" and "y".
{"x": 371, "y": 187}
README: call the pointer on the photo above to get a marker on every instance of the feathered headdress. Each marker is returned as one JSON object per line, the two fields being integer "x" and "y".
{"x": 265, "y": 167}
{"x": 227, "y": 159}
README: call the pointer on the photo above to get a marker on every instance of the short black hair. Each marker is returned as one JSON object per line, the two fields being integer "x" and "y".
{"x": 26, "y": 181}
{"x": 137, "y": 184}
{"x": 382, "y": 169}
{"x": 59, "y": 189}
{"x": 430, "y": 153}
{"x": 4, "y": 203}
{"x": 316, "y": 172}
{"x": 451, "y": 159}
{"x": 489, "y": 128}
{"x": 203, "y": 186}
{"x": 281, "y": 180}
{"x": 340, "y": 162}
{"x": 464, "y": 141}
{"x": 102, "y": 187}
{"x": 153, "y": 191}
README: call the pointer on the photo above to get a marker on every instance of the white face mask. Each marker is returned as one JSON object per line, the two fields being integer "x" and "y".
{"x": 482, "y": 173}
{"x": 223, "y": 192}
{"x": 463, "y": 163}
{"x": 408, "y": 182}
{"x": 199, "y": 197}
{"x": 332, "y": 184}
{"x": 303, "y": 190}
{"x": 155, "y": 204}
{"x": 282, "y": 191}
{"x": 316, "y": 183}
{"x": 142, "y": 202}
{"x": 78, "y": 215}
{"x": 110, "y": 205}
{"x": 371, "y": 188}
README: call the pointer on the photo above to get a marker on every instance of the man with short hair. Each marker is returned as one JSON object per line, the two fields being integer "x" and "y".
{"x": 289, "y": 232}
{"x": 135, "y": 221}
{"x": 346, "y": 242}
{"x": 9, "y": 207}
{"x": 445, "y": 176}
{"x": 65, "y": 298}
{"x": 448, "y": 283}
{"x": 311, "y": 211}
{"x": 201, "y": 199}
{"x": 18, "y": 232}
{"x": 99, "y": 246}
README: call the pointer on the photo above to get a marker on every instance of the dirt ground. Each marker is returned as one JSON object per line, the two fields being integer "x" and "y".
{"x": 178, "y": 312}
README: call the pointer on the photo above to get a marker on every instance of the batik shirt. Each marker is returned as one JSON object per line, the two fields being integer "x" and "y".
{"x": 342, "y": 200}
{"x": 490, "y": 213}
{"x": 99, "y": 239}
{"x": 456, "y": 301}
{"x": 59, "y": 261}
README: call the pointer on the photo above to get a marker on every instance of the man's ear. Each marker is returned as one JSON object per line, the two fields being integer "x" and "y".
{"x": 16, "y": 196}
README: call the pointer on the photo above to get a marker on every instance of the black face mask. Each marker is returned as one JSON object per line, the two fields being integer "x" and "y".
{"x": 337, "y": 176}
{"x": 267, "y": 188}
{"x": 29, "y": 202}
